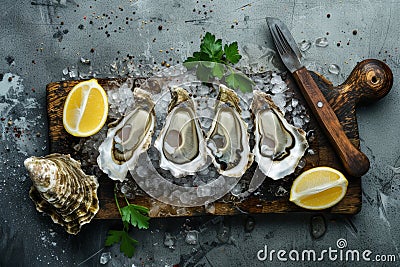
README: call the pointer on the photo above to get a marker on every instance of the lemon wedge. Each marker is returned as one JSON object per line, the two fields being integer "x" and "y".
{"x": 318, "y": 188}
{"x": 85, "y": 109}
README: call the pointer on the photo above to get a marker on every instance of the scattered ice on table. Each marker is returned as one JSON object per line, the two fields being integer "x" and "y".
{"x": 85, "y": 60}
{"x": 65, "y": 71}
{"x": 105, "y": 257}
{"x": 276, "y": 79}
{"x": 334, "y": 69}
{"x": 318, "y": 226}
{"x": 192, "y": 237}
{"x": 281, "y": 192}
{"x": 73, "y": 72}
{"x": 121, "y": 99}
{"x": 279, "y": 88}
{"x": 311, "y": 151}
{"x": 295, "y": 102}
{"x": 298, "y": 122}
{"x": 304, "y": 45}
{"x": 210, "y": 207}
{"x": 321, "y": 42}
{"x": 169, "y": 241}
{"x": 124, "y": 189}
{"x": 279, "y": 100}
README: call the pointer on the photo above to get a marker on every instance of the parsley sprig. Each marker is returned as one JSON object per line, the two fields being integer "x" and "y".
{"x": 216, "y": 61}
{"x": 133, "y": 215}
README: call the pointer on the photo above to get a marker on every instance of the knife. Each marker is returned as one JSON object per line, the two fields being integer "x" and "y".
{"x": 354, "y": 161}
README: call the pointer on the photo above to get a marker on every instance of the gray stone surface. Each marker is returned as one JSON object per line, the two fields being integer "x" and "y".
{"x": 40, "y": 38}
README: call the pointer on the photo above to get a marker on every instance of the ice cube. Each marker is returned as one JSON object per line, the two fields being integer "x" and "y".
{"x": 192, "y": 237}
{"x": 105, "y": 257}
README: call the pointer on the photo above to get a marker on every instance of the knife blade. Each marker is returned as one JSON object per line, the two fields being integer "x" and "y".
{"x": 354, "y": 161}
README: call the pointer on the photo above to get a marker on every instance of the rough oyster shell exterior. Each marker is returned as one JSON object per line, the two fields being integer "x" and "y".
{"x": 62, "y": 190}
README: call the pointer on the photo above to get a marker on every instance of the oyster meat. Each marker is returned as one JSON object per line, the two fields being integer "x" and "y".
{"x": 228, "y": 140}
{"x": 181, "y": 142}
{"x": 62, "y": 190}
{"x": 127, "y": 138}
{"x": 279, "y": 146}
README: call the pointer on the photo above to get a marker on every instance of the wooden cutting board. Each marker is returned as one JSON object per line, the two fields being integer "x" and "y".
{"x": 369, "y": 81}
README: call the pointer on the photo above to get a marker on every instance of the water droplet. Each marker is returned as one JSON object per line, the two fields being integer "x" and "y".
{"x": 105, "y": 257}
{"x": 304, "y": 45}
{"x": 318, "y": 226}
{"x": 210, "y": 208}
{"x": 334, "y": 69}
{"x": 321, "y": 42}
{"x": 192, "y": 237}
{"x": 250, "y": 224}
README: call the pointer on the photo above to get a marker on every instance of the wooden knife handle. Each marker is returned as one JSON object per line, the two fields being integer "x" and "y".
{"x": 354, "y": 161}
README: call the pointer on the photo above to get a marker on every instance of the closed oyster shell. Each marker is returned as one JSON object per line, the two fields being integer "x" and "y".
{"x": 279, "y": 145}
{"x": 128, "y": 138}
{"x": 181, "y": 142}
{"x": 62, "y": 190}
{"x": 228, "y": 139}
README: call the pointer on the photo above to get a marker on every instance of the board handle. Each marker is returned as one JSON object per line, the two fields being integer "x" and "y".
{"x": 370, "y": 80}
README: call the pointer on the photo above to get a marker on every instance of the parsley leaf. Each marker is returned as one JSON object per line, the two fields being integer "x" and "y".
{"x": 127, "y": 243}
{"x": 232, "y": 53}
{"x": 136, "y": 216}
{"x": 212, "y": 47}
{"x": 213, "y": 60}
{"x": 131, "y": 215}
{"x": 113, "y": 237}
{"x": 239, "y": 81}
{"x": 218, "y": 70}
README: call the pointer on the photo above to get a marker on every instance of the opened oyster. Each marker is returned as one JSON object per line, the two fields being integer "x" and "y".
{"x": 181, "y": 142}
{"x": 62, "y": 190}
{"x": 279, "y": 145}
{"x": 228, "y": 140}
{"x": 128, "y": 138}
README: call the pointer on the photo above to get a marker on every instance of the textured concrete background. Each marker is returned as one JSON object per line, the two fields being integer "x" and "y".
{"x": 40, "y": 38}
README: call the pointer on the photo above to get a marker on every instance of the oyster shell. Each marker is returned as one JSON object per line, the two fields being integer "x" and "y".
{"x": 279, "y": 145}
{"x": 62, "y": 190}
{"x": 181, "y": 142}
{"x": 228, "y": 140}
{"x": 128, "y": 138}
